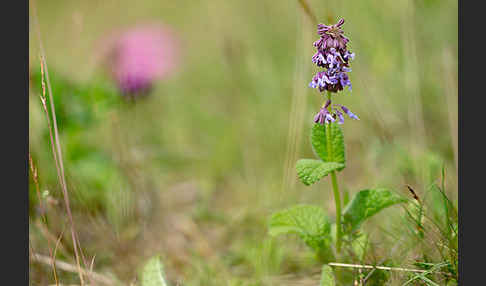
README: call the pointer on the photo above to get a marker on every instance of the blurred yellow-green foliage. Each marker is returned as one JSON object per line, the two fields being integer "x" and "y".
{"x": 193, "y": 171}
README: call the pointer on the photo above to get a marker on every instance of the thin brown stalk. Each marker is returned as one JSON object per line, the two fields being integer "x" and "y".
{"x": 58, "y": 242}
{"x": 375, "y": 267}
{"x": 92, "y": 264}
{"x": 71, "y": 268}
{"x": 49, "y": 236}
{"x": 298, "y": 106}
{"x": 57, "y": 157}
{"x": 305, "y": 6}
{"x": 35, "y": 177}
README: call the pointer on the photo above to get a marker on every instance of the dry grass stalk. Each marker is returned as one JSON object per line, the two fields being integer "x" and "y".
{"x": 35, "y": 177}
{"x": 378, "y": 267}
{"x": 55, "y": 140}
{"x": 305, "y": 6}
{"x": 71, "y": 268}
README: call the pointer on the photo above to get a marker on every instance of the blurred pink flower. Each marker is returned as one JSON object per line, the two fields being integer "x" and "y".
{"x": 139, "y": 56}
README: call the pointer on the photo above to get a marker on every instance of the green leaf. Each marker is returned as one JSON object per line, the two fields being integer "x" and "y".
{"x": 345, "y": 197}
{"x": 311, "y": 171}
{"x": 333, "y": 152}
{"x": 359, "y": 246}
{"x": 152, "y": 273}
{"x": 309, "y": 222}
{"x": 366, "y": 203}
{"x": 327, "y": 276}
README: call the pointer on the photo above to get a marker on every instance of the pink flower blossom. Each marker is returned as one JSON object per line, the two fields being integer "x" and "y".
{"x": 139, "y": 56}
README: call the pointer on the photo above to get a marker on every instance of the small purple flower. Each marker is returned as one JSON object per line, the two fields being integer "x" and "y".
{"x": 349, "y": 113}
{"x": 332, "y": 58}
{"x": 332, "y": 80}
{"x": 331, "y": 36}
{"x": 348, "y": 56}
{"x": 328, "y": 102}
{"x": 344, "y": 80}
{"x": 323, "y": 116}
{"x": 313, "y": 84}
{"x": 340, "y": 115}
{"x": 320, "y": 116}
{"x": 319, "y": 59}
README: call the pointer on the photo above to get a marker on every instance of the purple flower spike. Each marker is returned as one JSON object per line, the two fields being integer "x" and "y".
{"x": 333, "y": 56}
{"x": 349, "y": 113}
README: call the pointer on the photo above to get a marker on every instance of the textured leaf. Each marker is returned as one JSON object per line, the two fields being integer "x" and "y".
{"x": 366, "y": 203}
{"x": 329, "y": 153}
{"x": 311, "y": 171}
{"x": 327, "y": 276}
{"x": 153, "y": 273}
{"x": 359, "y": 246}
{"x": 309, "y": 222}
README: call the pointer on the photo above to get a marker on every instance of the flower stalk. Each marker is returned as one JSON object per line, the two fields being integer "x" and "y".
{"x": 334, "y": 183}
{"x": 334, "y": 58}
{"x": 337, "y": 201}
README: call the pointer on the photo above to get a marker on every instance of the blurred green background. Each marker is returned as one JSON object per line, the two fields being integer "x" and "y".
{"x": 193, "y": 171}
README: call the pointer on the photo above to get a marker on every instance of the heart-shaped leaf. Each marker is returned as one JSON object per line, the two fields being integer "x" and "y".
{"x": 366, "y": 203}
{"x": 309, "y": 222}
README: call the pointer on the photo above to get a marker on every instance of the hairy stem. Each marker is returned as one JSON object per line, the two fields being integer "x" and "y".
{"x": 337, "y": 201}
{"x": 335, "y": 187}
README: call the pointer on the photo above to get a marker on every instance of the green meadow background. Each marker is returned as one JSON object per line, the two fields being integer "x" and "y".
{"x": 193, "y": 172}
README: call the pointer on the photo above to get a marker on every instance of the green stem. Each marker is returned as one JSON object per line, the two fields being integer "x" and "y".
{"x": 337, "y": 201}
{"x": 335, "y": 187}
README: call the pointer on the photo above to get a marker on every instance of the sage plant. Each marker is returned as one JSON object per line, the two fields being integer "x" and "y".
{"x": 333, "y": 56}
{"x": 308, "y": 221}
